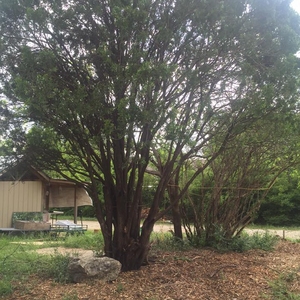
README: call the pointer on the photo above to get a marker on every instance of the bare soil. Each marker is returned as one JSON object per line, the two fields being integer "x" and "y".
{"x": 195, "y": 274}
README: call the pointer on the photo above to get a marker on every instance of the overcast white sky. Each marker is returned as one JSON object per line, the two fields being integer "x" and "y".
{"x": 296, "y": 5}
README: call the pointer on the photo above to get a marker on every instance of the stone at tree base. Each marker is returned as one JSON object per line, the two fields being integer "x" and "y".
{"x": 88, "y": 265}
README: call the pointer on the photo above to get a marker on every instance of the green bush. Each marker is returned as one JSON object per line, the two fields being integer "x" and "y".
{"x": 55, "y": 267}
{"x": 196, "y": 241}
{"x": 245, "y": 241}
{"x": 265, "y": 241}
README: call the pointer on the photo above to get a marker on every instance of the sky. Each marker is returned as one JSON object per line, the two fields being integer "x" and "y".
{"x": 296, "y": 5}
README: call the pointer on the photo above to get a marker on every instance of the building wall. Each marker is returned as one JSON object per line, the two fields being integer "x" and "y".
{"x": 19, "y": 196}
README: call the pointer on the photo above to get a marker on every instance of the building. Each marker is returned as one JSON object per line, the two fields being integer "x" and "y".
{"x": 26, "y": 189}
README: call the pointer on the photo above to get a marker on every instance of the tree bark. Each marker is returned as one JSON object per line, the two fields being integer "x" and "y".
{"x": 177, "y": 221}
{"x": 173, "y": 191}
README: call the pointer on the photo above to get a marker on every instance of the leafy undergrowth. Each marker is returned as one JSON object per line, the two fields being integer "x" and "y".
{"x": 188, "y": 274}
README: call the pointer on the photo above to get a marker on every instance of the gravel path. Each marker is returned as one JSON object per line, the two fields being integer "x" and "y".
{"x": 165, "y": 227}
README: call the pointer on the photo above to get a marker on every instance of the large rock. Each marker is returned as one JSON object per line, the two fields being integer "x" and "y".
{"x": 88, "y": 265}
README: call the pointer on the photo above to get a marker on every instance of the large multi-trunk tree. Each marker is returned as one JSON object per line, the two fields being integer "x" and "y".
{"x": 101, "y": 83}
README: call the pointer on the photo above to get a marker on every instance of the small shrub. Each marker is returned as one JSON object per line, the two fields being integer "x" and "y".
{"x": 240, "y": 243}
{"x": 244, "y": 242}
{"x": 56, "y": 267}
{"x": 196, "y": 241}
{"x": 265, "y": 241}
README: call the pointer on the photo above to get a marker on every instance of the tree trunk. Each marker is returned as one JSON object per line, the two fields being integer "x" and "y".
{"x": 177, "y": 221}
{"x": 173, "y": 191}
{"x": 132, "y": 252}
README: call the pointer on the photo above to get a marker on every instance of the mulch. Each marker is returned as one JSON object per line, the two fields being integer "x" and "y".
{"x": 195, "y": 274}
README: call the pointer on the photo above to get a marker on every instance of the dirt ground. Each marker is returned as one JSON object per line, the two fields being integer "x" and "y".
{"x": 195, "y": 274}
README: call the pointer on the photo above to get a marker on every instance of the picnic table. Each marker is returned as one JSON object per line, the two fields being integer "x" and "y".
{"x": 67, "y": 227}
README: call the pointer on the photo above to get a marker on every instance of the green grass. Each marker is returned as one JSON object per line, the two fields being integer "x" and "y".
{"x": 281, "y": 287}
{"x": 19, "y": 260}
{"x": 167, "y": 242}
{"x": 88, "y": 240}
{"x": 70, "y": 296}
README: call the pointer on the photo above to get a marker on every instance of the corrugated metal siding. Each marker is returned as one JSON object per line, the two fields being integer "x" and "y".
{"x": 18, "y": 196}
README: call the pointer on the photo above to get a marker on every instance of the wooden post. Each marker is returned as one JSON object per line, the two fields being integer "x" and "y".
{"x": 75, "y": 205}
{"x": 46, "y": 189}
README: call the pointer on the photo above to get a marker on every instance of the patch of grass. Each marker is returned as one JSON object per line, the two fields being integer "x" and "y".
{"x": 16, "y": 257}
{"x": 18, "y": 261}
{"x": 70, "y": 296}
{"x": 25, "y": 242}
{"x": 281, "y": 287}
{"x": 167, "y": 242}
{"x": 120, "y": 288}
{"x": 89, "y": 240}
{"x": 5, "y": 287}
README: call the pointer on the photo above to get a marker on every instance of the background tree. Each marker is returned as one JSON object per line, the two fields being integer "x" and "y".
{"x": 110, "y": 80}
{"x": 281, "y": 207}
